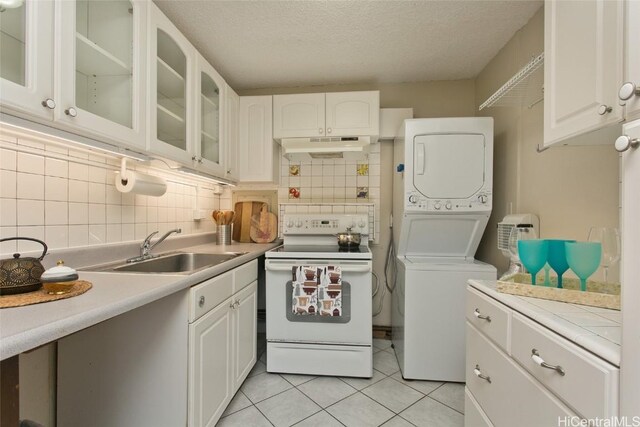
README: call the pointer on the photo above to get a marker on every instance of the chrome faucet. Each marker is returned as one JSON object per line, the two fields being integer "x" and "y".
{"x": 146, "y": 246}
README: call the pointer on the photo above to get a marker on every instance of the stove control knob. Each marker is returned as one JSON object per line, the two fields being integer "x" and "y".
{"x": 361, "y": 224}
{"x": 448, "y": 205}
{"x": 413, "y": 199}
{"x": 299, "y": 223}
{"x": 437, "y": 206}
{"x": 290, "y": 223}
{"x": 482, "y": 198}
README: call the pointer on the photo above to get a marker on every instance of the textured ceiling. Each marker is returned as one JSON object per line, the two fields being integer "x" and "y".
{"x": 265, "y": 44}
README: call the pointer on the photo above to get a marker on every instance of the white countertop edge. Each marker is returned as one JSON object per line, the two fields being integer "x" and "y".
{"x": 49, "y": 331}
{"x": 591, "y": 342}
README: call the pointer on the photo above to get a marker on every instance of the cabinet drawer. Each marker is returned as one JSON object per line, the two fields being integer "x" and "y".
{"x": 244, "y": 275}
{"x": 589, "y": 385}
{"x": 209, "y": 294}
{"x": 474, "y": 416}
{"x": 489, "y": 316}
{"x": 513, "y": 397}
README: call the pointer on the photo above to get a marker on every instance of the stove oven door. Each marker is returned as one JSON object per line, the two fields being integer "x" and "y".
{"x": 352, "y": 326}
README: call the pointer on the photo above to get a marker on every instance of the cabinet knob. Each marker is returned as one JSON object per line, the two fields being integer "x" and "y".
{"x": 627, "y": 91}
{"x": 200, "y": 160}
{"x": 228, "y": 171}
{"x": 623, "y": 143}
{"x": 320, "y": 131}
{"x": 480, "y": 375}
{"x": 72, "y": 112}
{"x": 49, "y": 103}
{"x": 604, "y": 109}
{"x": 201, "y": 301}
{"x": 328, "y": 130}
{"x": 535, "y": 356}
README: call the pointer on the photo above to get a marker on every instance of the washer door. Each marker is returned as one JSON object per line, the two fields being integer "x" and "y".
{"x": 449, "y": 166}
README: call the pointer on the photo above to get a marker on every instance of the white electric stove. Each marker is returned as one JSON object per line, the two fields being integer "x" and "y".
{"x": 318, "y": 298}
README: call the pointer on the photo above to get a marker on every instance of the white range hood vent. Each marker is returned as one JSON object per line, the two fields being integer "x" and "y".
{"x": 305, "y": 149}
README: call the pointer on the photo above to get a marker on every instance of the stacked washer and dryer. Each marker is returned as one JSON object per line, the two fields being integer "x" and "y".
{"x": 442, "y": 203}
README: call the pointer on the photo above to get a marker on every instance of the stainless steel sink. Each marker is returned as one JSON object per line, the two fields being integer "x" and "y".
{"x": 181, "y": 262}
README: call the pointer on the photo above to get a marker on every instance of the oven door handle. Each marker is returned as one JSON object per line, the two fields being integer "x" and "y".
{"x": 344, "y": 268}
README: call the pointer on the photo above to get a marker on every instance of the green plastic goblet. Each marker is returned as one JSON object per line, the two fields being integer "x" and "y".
{"x": 533, "y": 255}
{"x": 584, "y": 259}
{"x": 557, "y": 257}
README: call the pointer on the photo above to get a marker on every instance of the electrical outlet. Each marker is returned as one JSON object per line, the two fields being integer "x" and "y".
{"x": 199, "y": 214}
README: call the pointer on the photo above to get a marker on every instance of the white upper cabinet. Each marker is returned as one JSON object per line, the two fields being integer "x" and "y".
{"x": 171, "y": 66}
{"x": 257, "y": 153}
{"x": 102, "y": 68}
{"x": 232, "y": 129}
{"x": 26, "y": 59}
{"x": 353, "y": 113}
{"x": 330, "y": 114}
{"x": 300, "y": 115}
{"x": 630, "y": 93}
{"x": 210, "y": 152}
{"x": 583, "y": 67}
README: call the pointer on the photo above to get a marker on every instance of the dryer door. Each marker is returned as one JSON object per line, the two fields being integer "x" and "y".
{"x": 449, "y": 166}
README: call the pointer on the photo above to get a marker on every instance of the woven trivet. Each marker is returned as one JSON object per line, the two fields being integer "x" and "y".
{"x": 36, "y": 297}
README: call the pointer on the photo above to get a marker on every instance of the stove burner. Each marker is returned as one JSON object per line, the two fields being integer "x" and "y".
{"x": 354, "y": 249}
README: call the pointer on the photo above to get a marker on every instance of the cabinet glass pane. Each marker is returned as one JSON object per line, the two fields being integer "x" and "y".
{"x": 210, "y": 119}
{"x": 12, "y": 44}
{"x": 104, "y": 59}
{"x": 172, "y": 74}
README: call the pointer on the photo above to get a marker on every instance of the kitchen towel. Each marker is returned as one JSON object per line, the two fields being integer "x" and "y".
{"x": 316, "y": 290}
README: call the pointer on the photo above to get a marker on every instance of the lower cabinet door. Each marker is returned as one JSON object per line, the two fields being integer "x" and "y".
{"x": 474, "y": 416}
{"x": 506, "y": 393}
{"x": 246, "y": 306}
{"x": 210, "y": 365}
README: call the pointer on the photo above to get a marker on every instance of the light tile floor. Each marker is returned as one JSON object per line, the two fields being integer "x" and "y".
{"x": 387, "y": 399}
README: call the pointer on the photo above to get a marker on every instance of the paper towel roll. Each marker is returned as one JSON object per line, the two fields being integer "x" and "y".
{"x": 140, "y": 183}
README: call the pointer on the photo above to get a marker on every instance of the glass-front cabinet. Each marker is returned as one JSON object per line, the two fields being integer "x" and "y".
{"x": 210, "y": 147}
{"x": 102, "y": 67}
{"x": 172, "y": 89}
{"x": 26, "y": 58}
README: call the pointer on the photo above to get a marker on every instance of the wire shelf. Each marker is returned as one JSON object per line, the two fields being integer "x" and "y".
{"x": 515, "y": 89}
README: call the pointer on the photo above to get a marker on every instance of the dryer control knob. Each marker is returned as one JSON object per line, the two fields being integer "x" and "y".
{"x": 482, "y": 198}
{"x": 448, "y": 205}
{"x": 437, "y": 206}
{"x": 413, "y": 199}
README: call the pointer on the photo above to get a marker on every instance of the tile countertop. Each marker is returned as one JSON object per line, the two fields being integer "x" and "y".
{"x": 595, "y": 329}
{"x": 25, "y": 328}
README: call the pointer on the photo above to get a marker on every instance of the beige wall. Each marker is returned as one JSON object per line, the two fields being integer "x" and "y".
{"x": 428, "y": 99}
{"x": 569, "y": 188}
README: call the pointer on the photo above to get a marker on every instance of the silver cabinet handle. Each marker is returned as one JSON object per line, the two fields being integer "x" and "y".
{"x": 320, "y": 130}
{"x": 476, "y": 313}
{"x": 201, "y": 301}
{"x": 328, "y": 130}
{"x": 535, "y": 356}
{"x": 604, "y": 109}
{"x": 623, "y": 143}
{"x": 49, "y": 103}
{"x": 480, "y": 375}
{"x": 627, "y": 91}
{"x": 72, "y": 112}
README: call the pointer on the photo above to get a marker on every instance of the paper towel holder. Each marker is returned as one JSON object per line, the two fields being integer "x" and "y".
{"x": 123, "y": 171}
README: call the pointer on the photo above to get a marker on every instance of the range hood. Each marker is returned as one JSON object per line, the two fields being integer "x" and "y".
{"x": 305, "y": 149}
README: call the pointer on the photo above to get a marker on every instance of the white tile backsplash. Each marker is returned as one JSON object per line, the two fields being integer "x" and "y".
{"x": 30, "y": 186}
{"x": 67, "y": 198}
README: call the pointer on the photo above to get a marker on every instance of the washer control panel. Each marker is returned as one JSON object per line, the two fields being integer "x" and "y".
{"x": 295, "y": 224}
{"x": 416, "y": 202}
